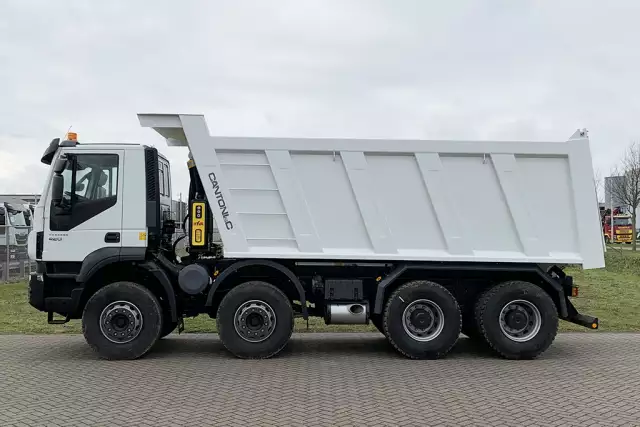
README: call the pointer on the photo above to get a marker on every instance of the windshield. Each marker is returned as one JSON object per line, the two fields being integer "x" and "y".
{"x": 621, "y": 221}
{"x": 17, "y": 219}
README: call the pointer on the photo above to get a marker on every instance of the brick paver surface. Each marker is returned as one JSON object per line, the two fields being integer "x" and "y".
{"x": 320, "y": 380}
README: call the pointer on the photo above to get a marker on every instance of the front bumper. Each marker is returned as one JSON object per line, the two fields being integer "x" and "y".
{"x": 42, "y": 300}
{"x": 36, "y": 292}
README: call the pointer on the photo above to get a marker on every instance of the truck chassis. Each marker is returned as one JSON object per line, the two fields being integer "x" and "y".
{"x": 420, "y": 307}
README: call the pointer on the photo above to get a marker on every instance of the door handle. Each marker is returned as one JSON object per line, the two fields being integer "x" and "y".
{"x": 112, "y": 238}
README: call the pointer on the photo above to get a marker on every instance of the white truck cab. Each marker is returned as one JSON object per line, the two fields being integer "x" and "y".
{"x": 14, "y": 219}
{"x": 88, "y": 208}
{"x": 388, "y": 232}
{"x": 14, "y": 229}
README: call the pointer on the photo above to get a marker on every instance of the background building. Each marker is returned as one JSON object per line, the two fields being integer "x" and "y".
{"x": 27, "y": 198}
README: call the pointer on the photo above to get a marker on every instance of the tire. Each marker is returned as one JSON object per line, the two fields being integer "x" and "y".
{"x": 259, "y": 300}
{"x": 444, "y": 325}
{"x": 376, "y": 320}
{"x": 503, "y": 340}
{"x": 113, "y": 303}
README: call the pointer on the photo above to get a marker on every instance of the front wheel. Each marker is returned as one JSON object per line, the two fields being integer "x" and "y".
{"x": 422, "y": 320}
{"x": 255, "y": 320}
{"x": 122, "y": 321}
{"x": 519, "y": 320}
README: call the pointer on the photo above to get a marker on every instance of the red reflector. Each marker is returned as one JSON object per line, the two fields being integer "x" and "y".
{"x": 574, "y": 291}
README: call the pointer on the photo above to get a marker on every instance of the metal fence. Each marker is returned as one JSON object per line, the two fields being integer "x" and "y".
{"x": 15, "y": 265}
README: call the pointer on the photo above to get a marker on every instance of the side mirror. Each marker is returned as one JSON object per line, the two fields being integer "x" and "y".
{"x": 79, "y": 187}
{"x": 57, "y": 189}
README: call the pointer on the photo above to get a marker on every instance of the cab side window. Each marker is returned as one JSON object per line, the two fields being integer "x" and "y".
{"x": 96, "y": 176}
{"x": 164, "y": 178}
{"x": 90, "y": 188}
{"x": 161, "y": 179}
{"x": 167, "y": 178}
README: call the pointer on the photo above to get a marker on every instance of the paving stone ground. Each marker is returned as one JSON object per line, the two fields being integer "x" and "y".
{"x": 586, "y": 379}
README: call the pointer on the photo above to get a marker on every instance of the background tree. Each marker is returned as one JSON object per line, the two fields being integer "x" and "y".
{"x": 597, "y": 179}
{"x": 627, "y": 190}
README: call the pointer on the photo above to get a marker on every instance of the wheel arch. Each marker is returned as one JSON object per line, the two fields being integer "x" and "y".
{"x": 147, "y": 274}
{"x": 494, "y": 273}
{"x": 288, "y": 282}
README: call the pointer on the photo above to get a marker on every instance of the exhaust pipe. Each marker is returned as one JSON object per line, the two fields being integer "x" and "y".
{"x": 346, "y": 314}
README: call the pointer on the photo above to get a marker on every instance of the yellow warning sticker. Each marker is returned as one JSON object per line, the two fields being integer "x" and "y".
{"x": 197, "y": 224}
{"x": 142, "y": 235}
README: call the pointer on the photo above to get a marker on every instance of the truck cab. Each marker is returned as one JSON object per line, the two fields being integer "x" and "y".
{"x": 86, "y": 208}
{"x": 617, "y": 228}
{"x": 14, "y": 229}
{"x": 16, "y": 219}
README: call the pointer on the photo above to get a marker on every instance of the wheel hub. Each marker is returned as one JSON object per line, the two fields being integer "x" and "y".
{"x": 423, "y": 320}
{"x": 255, "y": 321}
{"x": 520, "y": 320}
{"x": 121, "y": 322}
{"x": 517, "y": 319}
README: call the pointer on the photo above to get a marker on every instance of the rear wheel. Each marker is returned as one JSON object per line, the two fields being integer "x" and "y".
{"x": 422, "y": 320}
{"x": 255, "y": 320}
{"x": 519, "y": 320}
{"x": 122, "y": 321}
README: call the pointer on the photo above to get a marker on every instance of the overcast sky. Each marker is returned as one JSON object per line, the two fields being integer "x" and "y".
{"x": 406, "y": 69}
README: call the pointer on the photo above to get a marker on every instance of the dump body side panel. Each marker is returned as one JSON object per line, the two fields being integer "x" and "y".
{"x": 484, "y": 201}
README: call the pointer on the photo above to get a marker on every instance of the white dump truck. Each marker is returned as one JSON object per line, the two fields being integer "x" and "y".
{"x": 422, "y": 239}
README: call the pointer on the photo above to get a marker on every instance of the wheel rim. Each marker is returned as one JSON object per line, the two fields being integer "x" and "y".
{"x": 121, "y": 322}
{"x": 423, "y": 320}
{"x": 255, "y": 321}
{"x": 520, "y": 320}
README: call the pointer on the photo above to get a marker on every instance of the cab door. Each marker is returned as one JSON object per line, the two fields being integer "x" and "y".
{"x": 90, "y": 214}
